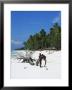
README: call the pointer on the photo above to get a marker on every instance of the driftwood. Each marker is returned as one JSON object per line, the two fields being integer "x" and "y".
{"x": 31, "y": 61}
{"x": 27, "y": 60}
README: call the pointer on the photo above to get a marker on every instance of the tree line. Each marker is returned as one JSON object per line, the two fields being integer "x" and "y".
{"x": 43, "y": 40}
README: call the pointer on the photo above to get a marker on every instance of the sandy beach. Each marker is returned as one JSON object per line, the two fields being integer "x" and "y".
{"x": 52, "y": 70}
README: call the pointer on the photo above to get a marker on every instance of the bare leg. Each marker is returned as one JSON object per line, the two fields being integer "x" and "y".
{"x": 37, "y": 63}
{"x": 45, "y": 62}
{"x": 40, "y": 62}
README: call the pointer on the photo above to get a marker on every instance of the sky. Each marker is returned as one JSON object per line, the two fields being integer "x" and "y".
{"x": 26, "y": 23}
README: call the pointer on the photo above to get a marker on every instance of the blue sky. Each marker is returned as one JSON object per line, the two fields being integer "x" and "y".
{"x": 26, "y": 23}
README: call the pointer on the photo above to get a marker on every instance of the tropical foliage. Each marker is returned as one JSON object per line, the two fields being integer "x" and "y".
{"x": 43, "y": 40}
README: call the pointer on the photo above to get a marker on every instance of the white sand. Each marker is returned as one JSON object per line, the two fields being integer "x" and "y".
{"x": 25, "y": 70}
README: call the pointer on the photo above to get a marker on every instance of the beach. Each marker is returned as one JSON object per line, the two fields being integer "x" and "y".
{"x": 20, "y": 70}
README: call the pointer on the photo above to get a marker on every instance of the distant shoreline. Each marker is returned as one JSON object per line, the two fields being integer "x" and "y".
{"x": 38, "y": 49}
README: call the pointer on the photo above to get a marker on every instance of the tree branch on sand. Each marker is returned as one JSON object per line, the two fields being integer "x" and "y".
{"x": 25, "y": 59}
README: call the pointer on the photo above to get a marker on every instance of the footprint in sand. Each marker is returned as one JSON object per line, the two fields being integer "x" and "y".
{"x": 25, "y": 67}
{"x": 46, "y": 68}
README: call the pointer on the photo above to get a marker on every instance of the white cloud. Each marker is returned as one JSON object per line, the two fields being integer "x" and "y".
{"x": 56, "y": 19}
{"x": 16, "y": 42}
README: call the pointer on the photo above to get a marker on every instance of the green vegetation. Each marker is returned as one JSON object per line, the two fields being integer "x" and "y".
{"x": 43, "y": 40}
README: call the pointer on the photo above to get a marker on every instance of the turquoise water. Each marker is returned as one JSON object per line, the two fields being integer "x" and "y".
{"x": 14, "y": 54}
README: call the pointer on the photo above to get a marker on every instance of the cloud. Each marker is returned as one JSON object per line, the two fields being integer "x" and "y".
{"x": 56, "y": 19}
{"x": 16, "y": 42}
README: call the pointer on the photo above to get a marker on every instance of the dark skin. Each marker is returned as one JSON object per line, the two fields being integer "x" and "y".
{"x": 41, "y": 57}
